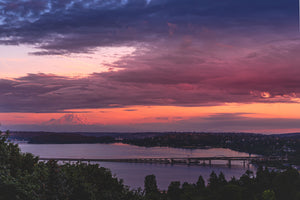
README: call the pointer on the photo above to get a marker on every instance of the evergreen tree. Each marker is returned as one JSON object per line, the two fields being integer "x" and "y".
{"x": 174, "y": 191}
{"x": 151, "y": 190}
{"x": 200, "y": 183}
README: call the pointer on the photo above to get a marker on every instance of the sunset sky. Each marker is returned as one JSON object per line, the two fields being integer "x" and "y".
{"x": 150, "y": 65}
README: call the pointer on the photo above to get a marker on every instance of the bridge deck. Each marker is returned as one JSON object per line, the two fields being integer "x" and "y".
{"x": 155, "y": 159}
{"x": 186, "y": 160}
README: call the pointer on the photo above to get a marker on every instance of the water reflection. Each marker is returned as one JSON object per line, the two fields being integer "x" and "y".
{"x": 115, "y": 151}
{"x": 133, "y": 174}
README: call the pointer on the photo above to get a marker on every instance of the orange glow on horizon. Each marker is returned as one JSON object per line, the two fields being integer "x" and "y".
{"x": 157, "y": 114}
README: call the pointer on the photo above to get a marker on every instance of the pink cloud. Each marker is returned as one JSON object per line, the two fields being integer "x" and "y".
{"x": 176, "y": 75}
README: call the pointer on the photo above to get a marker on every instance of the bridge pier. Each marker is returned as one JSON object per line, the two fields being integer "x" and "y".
{"x": 229, "y": 163}
{"x": 188, "y": 161}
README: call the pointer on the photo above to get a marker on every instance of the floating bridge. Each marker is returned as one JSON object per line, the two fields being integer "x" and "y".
{"x": 186, "y": 160}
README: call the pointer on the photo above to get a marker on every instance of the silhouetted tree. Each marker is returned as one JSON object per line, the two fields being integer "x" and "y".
{"x": 151, "y": 190}
{"x": 200, "y": 183}
{"x": 174, "y": 191}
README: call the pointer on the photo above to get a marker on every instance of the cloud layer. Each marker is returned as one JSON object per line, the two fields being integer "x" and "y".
{"x": 183, "y": 76}
{"x": 188, "y": 53}
{"x": 72, "y": 26}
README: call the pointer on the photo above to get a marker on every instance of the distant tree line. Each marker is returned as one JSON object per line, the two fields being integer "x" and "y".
{"x": 67, "y": 138}
{"x": 250, "y": 143}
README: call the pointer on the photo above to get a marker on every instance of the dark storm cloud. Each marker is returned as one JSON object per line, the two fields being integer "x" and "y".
{"x": 66, "y": 26}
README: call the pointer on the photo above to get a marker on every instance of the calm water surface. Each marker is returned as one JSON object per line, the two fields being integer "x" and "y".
{"x": 133, "y": 174}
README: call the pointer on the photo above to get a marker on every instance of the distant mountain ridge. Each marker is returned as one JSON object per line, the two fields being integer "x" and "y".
{"x": 69, "y": 119}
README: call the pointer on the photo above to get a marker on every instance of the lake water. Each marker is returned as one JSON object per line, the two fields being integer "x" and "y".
{"x": 133, "y": 174}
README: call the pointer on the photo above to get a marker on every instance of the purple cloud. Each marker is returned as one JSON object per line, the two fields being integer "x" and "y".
{"x": 73, "y": 26}
{"x": 178, "y": 77}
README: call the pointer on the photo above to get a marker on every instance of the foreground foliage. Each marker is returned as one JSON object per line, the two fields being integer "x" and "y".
{"x": 265, "y": 186}
{"x": 23, "y": 177}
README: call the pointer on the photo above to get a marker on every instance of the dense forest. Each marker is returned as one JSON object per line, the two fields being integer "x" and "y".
{"x": 22, "y": 176}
